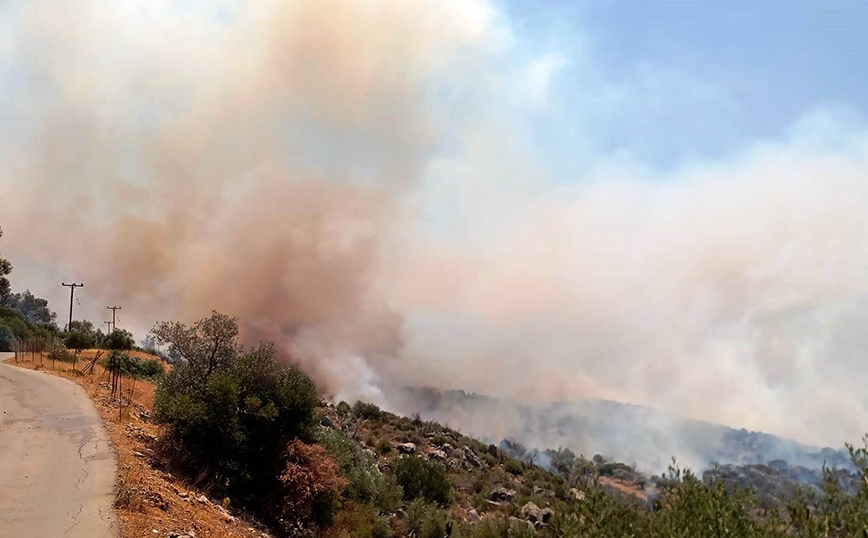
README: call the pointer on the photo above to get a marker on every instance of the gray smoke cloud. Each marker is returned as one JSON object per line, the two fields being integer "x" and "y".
{"x": 349, "y": 178}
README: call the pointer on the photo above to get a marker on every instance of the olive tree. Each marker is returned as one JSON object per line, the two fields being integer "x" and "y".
{"x": 229, "y": 413}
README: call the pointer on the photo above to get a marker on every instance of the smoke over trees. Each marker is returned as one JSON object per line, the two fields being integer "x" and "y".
{"x": 379, "y": 212}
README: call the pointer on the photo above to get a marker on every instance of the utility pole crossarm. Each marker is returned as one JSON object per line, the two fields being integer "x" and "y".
{"x": 71, "y": 287}
{"x": 114, "y": 310}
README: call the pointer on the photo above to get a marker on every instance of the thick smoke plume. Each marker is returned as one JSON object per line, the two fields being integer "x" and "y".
{"x": 351, "y": 180}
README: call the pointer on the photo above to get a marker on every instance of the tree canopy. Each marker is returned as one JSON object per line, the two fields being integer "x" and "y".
{"x": 35, "y": 309}
{"x": 120, "y": 340}
{"x": 5, "y": 270}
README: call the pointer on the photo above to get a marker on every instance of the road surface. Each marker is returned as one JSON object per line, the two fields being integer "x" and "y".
{"x": 57, "y": 469}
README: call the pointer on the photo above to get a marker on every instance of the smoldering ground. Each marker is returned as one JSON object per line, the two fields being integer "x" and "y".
{"x": 353, "y": 181}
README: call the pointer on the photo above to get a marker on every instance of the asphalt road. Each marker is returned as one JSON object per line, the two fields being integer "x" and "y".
{"x": 57, "y": 469}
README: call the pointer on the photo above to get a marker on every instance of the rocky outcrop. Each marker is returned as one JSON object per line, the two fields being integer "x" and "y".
{"x": 405, "y": 448}
{"x": 437, "y": 455}
{"x": 502, "y": 494}
{"x": 536, "y": 515}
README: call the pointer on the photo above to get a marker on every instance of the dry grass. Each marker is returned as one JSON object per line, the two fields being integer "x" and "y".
{"x": 147, "y": 499}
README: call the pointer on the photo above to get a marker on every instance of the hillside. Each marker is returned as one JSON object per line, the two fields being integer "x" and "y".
{"x": 404, "y": 476}
{"x": 639, "y": 435}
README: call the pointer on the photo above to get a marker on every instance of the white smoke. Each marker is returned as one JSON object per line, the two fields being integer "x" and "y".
{"x": 353, "y": 180}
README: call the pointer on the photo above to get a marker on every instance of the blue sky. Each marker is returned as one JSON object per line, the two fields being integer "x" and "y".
{"x": 694, "y": 79}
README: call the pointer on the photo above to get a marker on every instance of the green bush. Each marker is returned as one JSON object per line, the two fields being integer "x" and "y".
{"x": 513, "y": 467}
{"x": 15, "y": 326}
{"x": 231, "y": 416}
{"x": 368, "y": 411}
{"x": 60, "y": 353}
{"x": 425, "y": 520}
{"x": 7, "y": 337}
{"x": 119, "y": 340}
{"x": 149, "y": 368}
{"x": 367, "y": 485}
{"x": 422, "y": 479}
{"x": 135, "y": 367}
{"x": 343, "y": 408}
{"x": 364, "y": 521}
{"x": 498, "y": 528}
{"x": 384, "y": 446}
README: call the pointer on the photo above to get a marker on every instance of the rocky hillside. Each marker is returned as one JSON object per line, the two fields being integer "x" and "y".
{"x": 638, "y": 435}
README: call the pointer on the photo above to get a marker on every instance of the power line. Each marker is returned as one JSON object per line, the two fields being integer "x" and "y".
{"x": 71, "y": 297}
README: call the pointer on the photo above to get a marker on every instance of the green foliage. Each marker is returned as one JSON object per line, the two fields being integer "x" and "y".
{"x": 231, "y": 413}
{"x": 367, "y": 485}
{"x": 384, "y": 446}
{"x": 35, "y": 309}
{"x": 135, "y": 367}
{"x": 14, "y": 326}
{"x": 79, "y": 339}
{"x": 364, "y": 521}
{"x": 120, "y": 340}
{"x": 60, "y": 353}
{"x": 422, "y": 479}
{"x": 425, "y": 520}
{"x": 208, "y": 345}
{"x": 513, "y": 467}
{"x": 22, "y": 315}
{"x": 689, "y": 507}
{"x": 698, "y": 509}
{"x": 367, "y": 411}
{"x": 498, "y": 528}
{"x": 5, "y": 270}
{"x": 7, "y": 337}
{"x": 343, "y": 408}
{"x": 148, "y": 368}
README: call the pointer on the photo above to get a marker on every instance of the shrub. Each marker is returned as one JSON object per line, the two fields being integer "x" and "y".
{"x": 368, "y": 411}
{"x": 384, "y": 446}
{"x": 78, "y": 340}
{"x": 7, "y": 338}
{"x": 343, "y": 408}
{"x": 148, "y": 368}
{"x": 366, "y": 484}
{"x": 360, "y": 521}
{"x": 230, "y": 415}
{"x": 423, "y": 479}
{"x": 136, "y": 367}
{"x": 60, "y": 353}
{"x": 425, "y": 521}
{"x": 310, "y": 486}
{"x": 513, "y": 467}
{"x": 128, "y": 497}
{"x": 499, "y": 528}
{"x": 119, "y": 340}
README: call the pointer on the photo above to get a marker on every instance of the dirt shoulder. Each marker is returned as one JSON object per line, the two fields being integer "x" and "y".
{"x": 148, "y": 501}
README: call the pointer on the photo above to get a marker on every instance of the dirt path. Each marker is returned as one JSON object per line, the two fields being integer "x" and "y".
{"x": 57, "y": 469}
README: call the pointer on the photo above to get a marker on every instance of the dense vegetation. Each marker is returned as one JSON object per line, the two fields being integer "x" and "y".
{"x": 231, "y": 415}
{"x": 248, "y": 427}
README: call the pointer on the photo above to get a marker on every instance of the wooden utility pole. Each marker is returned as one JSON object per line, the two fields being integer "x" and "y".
{"x": 108, "y": 327}
{"x": 71, "y": 295}
{"x": 114, "y": 310}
